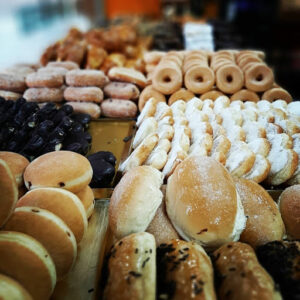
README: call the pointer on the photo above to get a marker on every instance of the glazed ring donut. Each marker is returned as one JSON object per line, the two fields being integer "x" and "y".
{"x": 213, "y": 95}
{"x": 193, "y": 63}
{"x": 245, "y": 95}
{"x": 182, "y": 94}
{"x": 199, "y": 79}
{"x": 245, "y": 55}
{"x": 229, "y": 79}
{"x": 259, "y": 77}
{"x": 248, "y": 59}
{"x": 196, "y": 57}
{"x": 167, "y": 80}
{"x": 277, "y": 93}
{"x": 150, "y": 92}
{"x": 220, "y": 64}
{"x": 226, "y": 52}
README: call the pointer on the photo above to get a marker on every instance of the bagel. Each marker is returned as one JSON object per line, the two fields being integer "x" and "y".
{"x": 245, "y": 95}
{"x": 276, "y": 94}
{"x": 229, "y": 79}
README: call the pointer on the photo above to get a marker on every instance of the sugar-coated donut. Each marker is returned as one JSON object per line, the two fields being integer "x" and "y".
{"x": 167, "y": 79}
{"x": 10, "y": 95}
{"x": 70, "y": 65}
{"x": 182, "y": 94}
{"x": 53, "y": 70}
{"x": 121, "y": 90}
{"x": 50, "y": 80}
{"x": 199, "y": 79}
{"x": 259, "y": 77}
{"x": 85, "y": 94}
{"x": 44, "y": 94}
{"x": 148, "y": 93}
{"x": 213, "y": 95}
{"x": 229, "y": 79}
{"x": 116, "y": 108}
{"x": 127, "y": 75}
{"x": 245, "y": 95}
{"x": 86, "y": 78}
{"x": 12, "y": 83}
{"x": 89, "y": 108}
{"x": 277, "y": 93}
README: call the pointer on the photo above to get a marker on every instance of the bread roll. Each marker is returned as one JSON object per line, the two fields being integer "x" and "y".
{"x": 289, "y": 206}
{"x": 203, "y": 204}
{"x": 131, "y": 269}
{"x": 64, "y": 169}
{"x": 28, "y": 262}
{"x": 87, "y": 198}
{"x": 12, "y": 290}
{"x": 240, "y": 274}
{"x": 135, "y": 200}
{"x": 264, "y": 223}
{"x": 184, "y": 272}
{"x": 9, "y": 192}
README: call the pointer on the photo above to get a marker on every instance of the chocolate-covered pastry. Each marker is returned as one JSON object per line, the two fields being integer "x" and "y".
{"x": 103, "y": 164}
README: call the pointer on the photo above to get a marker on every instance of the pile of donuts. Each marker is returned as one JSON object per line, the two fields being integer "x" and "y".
{"x": 41, "y": 229}
{"x": 253, "y": 140}
{"x": 197, "y": 238}
{"x": 242, "y": 75}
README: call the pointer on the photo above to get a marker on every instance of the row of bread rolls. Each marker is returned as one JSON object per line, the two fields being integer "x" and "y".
{"x": 205, "y": 205}
{"x": 43, "y": 228}
{"x": 254, "y": 141}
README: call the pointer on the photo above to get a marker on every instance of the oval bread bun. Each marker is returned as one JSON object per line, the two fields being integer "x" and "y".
{"x": 17, "y": 164}
{"x": 289, "y": 206}
{"x": 9, "y": 192}
{"x": 203, "y": 204}
{"x": 62, "y": 203}
{"x": 12, "y": 290}
{"x": 135, "y": 200}
{"x": 87, "y": 198}
{"x": 64, "y": 169}
{"x": 264, "y": 223}
{"x": 50, "y": 231}
{"x": 26, "y": 260}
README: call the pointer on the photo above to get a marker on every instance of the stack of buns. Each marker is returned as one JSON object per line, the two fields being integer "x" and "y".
{"x": 242, "y": 75}
{"x": 43, "y": 227}
{"x": 257, "y": 141}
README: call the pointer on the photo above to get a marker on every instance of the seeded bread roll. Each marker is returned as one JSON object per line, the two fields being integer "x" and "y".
{"x": 184, "y": 272}
{"x": 240, "y": 274}
{"x": 131, "y": 269}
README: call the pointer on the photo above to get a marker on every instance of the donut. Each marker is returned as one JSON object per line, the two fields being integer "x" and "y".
{"x": 82, "y": 78}
{"x": 259, "y": 77}
{"x": 277, "y": 93}
{"x": 12, "y": 83}
{"x": 221, "y": 63}
{"x": 150, "y": 92}
{"x": 44, "y": 94}
{"x": 182, "y": 94}
{"x": 85, "y": 94}
{"x": 10, "y": 95}
{"x": 20, "y": 70}
{"x": 116, "y": 108}
{"x": 127, "y": 75}
{"x": 199, "y": 79}
{"x": 53, "y": 70}
{"x": 213, "y": 95}
{"x": 121, "y": 90}
{"x": 245, "y": 95}
{"x": 167, "y": 79}
{"x": 153, "y": 57}
{"x": 89, "y": 108}
{"x": 69, "y": 65}
{"x": 229, "y": 79}
{"x": 50, "y": 80}
{"x": 248, "y": 59}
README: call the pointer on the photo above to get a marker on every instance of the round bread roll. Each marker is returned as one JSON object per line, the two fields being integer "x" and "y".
{"x": 64, "y": 169}
{"x": 9, "y": 192}
{"x": 131, "y": 269}
{"x": 289, "y": 206}
{"x": 264, "y": 223}
{"x": 17, "y": 164}
{"x": 184, "y": 272}
{"x": 62, "y": 203}
{"x": 135, "y": 200}
{"x": 203, "y": 204}
{"x": 27, "y": 261}
{"x": 50, "y": 231}
{"x": 87, "y": 198}
{"x": 12, "y": 290}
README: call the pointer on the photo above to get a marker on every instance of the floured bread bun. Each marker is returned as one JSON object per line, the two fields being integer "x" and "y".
{"x": 203, "y": 204}
{"x": 64, "y": 169}
{"x": 135, "y": 200}
{"x": 11, "y": 289}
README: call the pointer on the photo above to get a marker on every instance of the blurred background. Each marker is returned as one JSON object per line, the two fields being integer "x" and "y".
{"x": 27, "y": 27}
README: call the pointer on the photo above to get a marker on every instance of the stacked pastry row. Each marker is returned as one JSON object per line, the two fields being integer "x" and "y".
{"x": 257, "y": 141}
{"x": 41, "y": 229}
{"x": 243, "y": 75}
